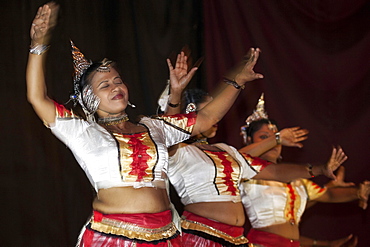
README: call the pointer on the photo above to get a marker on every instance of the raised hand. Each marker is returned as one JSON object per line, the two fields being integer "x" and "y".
{"x": 339, "y": 182}
{"x": 247, "y": 73}
{"x": 337, "y": 158}
{"x": 180, "y": 76}
{"x": 44, "y": 21}
{"x": 292, "y": 137}
{"x": 363, "y": 194}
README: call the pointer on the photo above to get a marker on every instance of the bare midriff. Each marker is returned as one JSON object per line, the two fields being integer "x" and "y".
{"x": 127, "y": 200}
{"x": 286, "y": 230}
{"x": 225, "y": 212}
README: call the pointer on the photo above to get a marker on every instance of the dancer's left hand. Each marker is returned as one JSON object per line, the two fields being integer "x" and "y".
{"x": 339, "y": 182}
{"x": 247, "y": 74}
{"x": 336, "y": 159}
{"x": 179, "y": 75}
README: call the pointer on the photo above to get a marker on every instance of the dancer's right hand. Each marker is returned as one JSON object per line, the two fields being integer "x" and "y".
{"x": 44, "y": 21}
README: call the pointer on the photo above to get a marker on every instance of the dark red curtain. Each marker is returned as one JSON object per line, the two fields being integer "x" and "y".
{"x": 315, "y": 59}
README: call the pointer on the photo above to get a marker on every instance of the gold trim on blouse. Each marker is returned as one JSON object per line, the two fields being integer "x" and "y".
{"x": 138, "y": 157}
{"x": 227, "y": 172}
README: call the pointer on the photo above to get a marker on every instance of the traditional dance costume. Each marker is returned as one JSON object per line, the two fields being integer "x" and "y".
{"x": 125, "y": 160}
{"x": 200, "y": 175}
{"x": 269, "y": 203}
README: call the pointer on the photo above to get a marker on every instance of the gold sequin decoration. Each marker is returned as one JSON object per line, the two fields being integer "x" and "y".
{"x": 133, "y": 231}
{"x": 197, "y": 226}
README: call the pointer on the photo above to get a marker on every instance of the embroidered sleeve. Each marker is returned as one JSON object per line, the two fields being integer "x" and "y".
{"x": 67, "y": 125}
{"x": 256, "y": 163}
{"x": 63, "y": 112}
{"x": 313, "y": 190}
{"x": 183, "y": 122}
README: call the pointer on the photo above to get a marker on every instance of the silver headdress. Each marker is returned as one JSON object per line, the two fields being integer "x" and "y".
{"x": 259, "y": 113}
{"x": 80, "y": 64}
{"x": 87, "y": 99}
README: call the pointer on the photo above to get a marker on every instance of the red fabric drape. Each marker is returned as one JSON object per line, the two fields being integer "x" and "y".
{"x": 315, "y": 59}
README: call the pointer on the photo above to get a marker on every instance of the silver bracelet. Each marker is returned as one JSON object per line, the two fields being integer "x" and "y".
{"x": 39, "y": 49}
{"x": 277, "y": 138}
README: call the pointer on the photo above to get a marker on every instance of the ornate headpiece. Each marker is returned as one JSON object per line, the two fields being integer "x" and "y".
{"x": 80, "y": 64}
{"x": 259, "y": 113}
{"x": 84, "y": 96}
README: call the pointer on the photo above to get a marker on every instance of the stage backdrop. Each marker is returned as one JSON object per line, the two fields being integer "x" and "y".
{"x": 316, "y": 67}
{"x": 315, "y": 59}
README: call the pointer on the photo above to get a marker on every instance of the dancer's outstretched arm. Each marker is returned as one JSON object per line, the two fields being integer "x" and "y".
{"x": 40, "y": 33}
{"x": 284, "y": 172}
{"x": 218, "y": 107}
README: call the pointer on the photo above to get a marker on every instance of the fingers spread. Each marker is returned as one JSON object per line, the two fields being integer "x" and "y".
{"x": 169, "y": 64}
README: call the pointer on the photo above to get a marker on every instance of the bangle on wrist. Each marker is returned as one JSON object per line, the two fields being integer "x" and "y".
{"x": 173, "y": 105}
{"x": 309, "y": 169}
{"x": 234, "y": 84}
{"x": 169, "y": 101}
{"x": 277, "y": 138}
{"x": 39, "y": 49}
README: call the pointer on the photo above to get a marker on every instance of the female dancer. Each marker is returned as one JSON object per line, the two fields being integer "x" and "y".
{"x": 275, "y": 208}
{"x": 206, "y": 177}
{"x": 125, "y": 162}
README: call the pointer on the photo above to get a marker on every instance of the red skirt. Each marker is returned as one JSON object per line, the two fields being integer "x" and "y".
{"x": 202, "y": 232}
{"x": 267, "y": 239}
{"x": 129, "y": 230}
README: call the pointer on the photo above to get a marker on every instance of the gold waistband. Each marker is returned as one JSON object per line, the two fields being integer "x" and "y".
{"x": 133, "y": 231}
{"x": 197, "y": 226}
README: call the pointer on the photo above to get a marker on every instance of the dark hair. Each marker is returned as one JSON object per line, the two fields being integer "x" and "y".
{"x": 86, "y": 79}
{"x": 257, "y": 125}
{"x": 193, "y": 95}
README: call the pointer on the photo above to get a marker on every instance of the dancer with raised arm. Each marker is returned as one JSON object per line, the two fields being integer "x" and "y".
{"x": 125, "y": 162}
{"x": 207, "y": 178}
